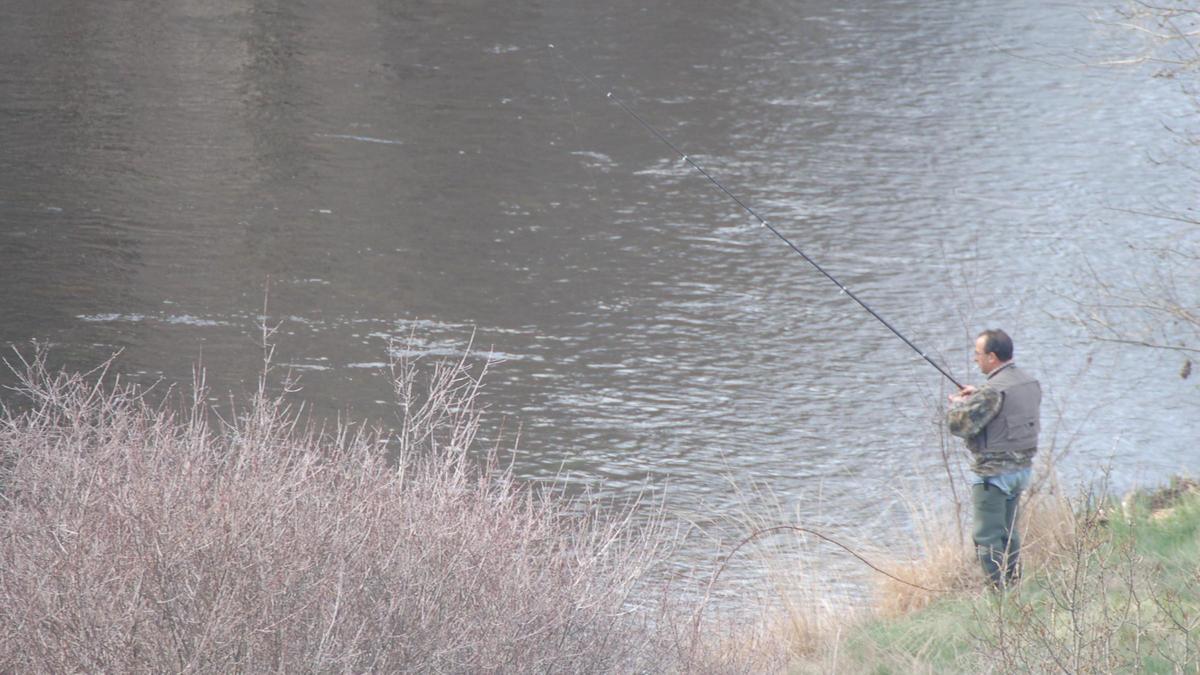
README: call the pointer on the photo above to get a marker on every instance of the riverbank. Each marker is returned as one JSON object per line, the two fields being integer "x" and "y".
{"x": 162, "y": 536}
{"x": 1112, "y": 591}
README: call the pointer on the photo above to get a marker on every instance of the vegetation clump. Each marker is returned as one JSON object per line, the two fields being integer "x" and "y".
{"x": 138, "y": 538}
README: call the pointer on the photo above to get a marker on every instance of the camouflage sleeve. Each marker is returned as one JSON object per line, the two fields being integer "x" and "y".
{"x": 968, "y": 417}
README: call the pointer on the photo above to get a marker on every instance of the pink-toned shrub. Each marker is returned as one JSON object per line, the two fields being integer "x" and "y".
{"x": 161, "y": 538}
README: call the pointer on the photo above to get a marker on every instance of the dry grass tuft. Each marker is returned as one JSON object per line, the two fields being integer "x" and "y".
{"x": 1048, "y": 526}
{"x": 943, "y": 569}
{"x": 943, "y": 563}
{"x": 947, "y": 561}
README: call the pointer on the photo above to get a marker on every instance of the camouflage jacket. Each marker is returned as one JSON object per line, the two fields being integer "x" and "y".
{"x": 967, "y": 418}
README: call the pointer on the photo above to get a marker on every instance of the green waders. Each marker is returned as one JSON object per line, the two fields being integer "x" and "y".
{"x": 997, "y": 541}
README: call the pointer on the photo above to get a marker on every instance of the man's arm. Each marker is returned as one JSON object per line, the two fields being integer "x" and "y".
{"x": 970, "y": 413}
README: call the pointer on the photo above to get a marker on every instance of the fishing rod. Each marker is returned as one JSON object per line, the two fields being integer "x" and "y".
{"x": 777, "y": 233}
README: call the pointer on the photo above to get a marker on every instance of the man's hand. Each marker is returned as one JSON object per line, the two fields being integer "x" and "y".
{"x": 972, "y": 409}
{"x": 963, "y": 394}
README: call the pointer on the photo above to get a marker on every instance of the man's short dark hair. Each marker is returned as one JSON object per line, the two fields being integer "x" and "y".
{"x": 997, "y": 342}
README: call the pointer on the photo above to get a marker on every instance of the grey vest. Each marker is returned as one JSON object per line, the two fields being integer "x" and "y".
{"x": 1009, "y": 441}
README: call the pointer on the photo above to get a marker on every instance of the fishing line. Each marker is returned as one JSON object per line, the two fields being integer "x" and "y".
{"x": 562, "y": 86}
{"x": 757, "y": 534}
{"x": 771, "y": 227}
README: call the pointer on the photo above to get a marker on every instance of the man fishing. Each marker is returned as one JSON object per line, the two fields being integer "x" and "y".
{"x": 999, "y": 421}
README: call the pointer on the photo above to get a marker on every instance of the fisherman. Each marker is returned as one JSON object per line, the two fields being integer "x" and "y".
{"x": 999, "y": 421}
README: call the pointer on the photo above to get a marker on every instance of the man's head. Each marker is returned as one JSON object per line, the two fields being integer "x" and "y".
{"x": 993, "y": 348}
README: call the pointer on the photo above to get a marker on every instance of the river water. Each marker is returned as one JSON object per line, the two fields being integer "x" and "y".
{"x": 380, "y": 170}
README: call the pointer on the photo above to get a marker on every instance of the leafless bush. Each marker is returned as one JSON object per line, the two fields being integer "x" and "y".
{"x": 1154, "y": 307}
{"x": 1154, "y": 303}
{"x": 1087, "y": 616}
{"x": 1099, "y": 606}
{"x": 140, "y": 538}
{"x": 1169, "y": 31}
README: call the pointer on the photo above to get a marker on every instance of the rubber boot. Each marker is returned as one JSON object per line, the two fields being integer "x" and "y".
{"x": 992, "y": 562}
{"x": 1012, "y": 569}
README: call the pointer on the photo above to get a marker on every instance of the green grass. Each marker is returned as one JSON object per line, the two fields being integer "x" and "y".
{"x": 1120, "y": 596}
{"x": 936, "y": 639}
{"x": 1174, "y": 536}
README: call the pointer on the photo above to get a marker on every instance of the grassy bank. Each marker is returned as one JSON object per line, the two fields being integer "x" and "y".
{"x": 1115, "y": 591}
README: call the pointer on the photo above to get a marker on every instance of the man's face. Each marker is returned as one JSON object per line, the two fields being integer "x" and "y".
{"x": 987, "y": 360}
